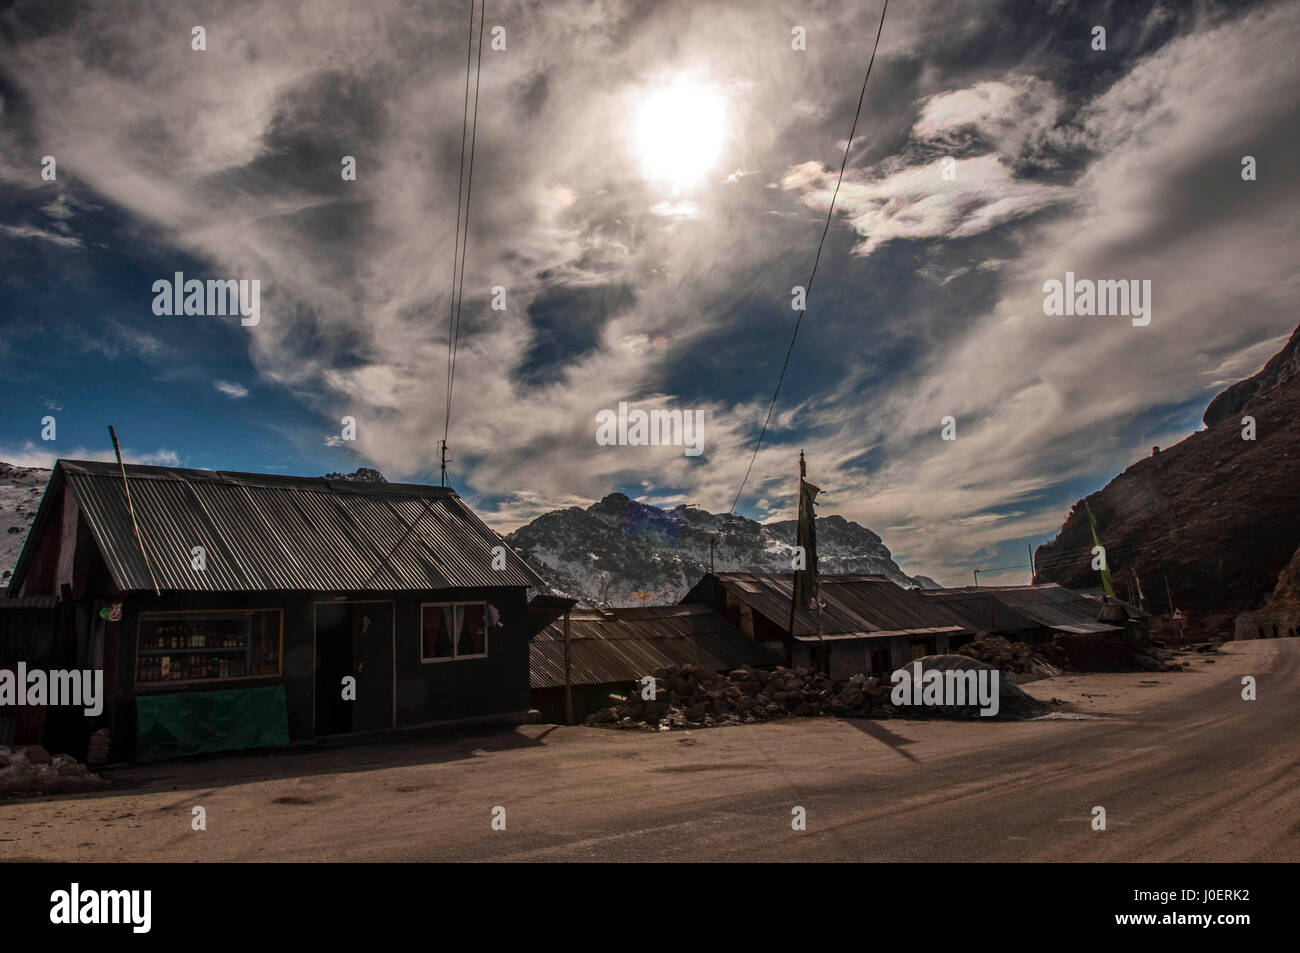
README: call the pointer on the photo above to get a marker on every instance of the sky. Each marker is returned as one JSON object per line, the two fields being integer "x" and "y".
{"x": 650, "y": 181}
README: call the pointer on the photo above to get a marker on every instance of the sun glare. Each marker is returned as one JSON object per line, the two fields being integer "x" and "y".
{"x": 679, "y": 132}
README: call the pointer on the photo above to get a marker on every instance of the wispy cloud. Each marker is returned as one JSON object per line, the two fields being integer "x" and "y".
{"x": 230, "y": 389}
{"x": 41, "y": 234}
{"x": 31, "y": 454}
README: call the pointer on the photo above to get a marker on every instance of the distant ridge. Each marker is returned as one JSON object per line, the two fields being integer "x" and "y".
{"x": 620, "y": 552}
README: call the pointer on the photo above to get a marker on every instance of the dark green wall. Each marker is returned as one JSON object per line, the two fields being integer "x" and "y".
{"x": 426, "y": 691}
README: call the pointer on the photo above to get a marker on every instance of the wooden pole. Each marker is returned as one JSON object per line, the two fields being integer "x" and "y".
{"x": 568, "y": 682}
{"x": 1033, "y": 574}
{"x": 794, "y": 580}
{"x": 126, "y": 487}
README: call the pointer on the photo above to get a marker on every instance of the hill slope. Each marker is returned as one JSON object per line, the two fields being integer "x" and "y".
{"x": 20, "y": 495}
{"x": 1217, "y": 514}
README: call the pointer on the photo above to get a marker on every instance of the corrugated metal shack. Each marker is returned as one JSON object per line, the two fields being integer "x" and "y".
{"x": 981, "y": 610}
{"x": 1050, "y": 608}
{"x": 273, "y": 591}
{"x": 868, "y": 623}
{"x": 27, "y": 634}
{"x": 612, "y": 650}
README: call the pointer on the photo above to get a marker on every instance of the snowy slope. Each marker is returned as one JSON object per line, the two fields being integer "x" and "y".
{"x": 20, "y": 495}
{"x": 621, "y": 552}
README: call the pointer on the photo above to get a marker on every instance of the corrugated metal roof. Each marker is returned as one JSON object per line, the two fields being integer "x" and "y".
{"x": 264, "y": 532}
{"x": 625, "y": 645}
{"x": 1096, "y": 595}
{"x": 884, "y": 634}
{"x": 981, "y": 611}
{"x": 1049, "y": 605}
{"x": 855, "y": 604}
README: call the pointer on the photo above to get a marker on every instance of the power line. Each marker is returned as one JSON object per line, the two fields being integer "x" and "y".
{"x": 808, "y": 288}
{"x": 465, "y": 184}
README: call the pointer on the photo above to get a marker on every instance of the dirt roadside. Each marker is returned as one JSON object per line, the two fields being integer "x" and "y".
{"x": 1186, "y": 769}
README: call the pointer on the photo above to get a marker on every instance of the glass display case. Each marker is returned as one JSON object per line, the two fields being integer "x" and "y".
{"x": 186, "y": 647}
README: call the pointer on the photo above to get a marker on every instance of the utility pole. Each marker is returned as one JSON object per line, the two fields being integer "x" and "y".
{"x": 1033, "y": 574}
{"x": 442, "y": 446}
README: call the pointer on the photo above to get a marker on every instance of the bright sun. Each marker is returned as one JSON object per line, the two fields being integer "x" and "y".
{"x": 679, "y": 132}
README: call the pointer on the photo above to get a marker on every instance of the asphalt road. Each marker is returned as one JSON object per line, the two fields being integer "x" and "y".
{"x": 1184, "y": 767}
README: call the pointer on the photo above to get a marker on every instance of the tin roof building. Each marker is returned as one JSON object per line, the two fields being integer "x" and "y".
{"x": 234, "y": 610}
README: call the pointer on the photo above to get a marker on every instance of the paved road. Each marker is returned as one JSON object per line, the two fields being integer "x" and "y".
{"x": 1185, "y": 769}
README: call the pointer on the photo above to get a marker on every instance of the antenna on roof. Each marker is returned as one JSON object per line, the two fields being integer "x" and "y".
{"x": 131, "y": 510}
{"x": 442, "y": 446}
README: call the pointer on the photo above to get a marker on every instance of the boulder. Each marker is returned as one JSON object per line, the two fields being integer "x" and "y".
{"x": 67, "y": 766}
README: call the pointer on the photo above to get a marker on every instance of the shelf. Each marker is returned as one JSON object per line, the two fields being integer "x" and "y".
{"x": 178, "y": 682}
{"x": 194, "y": 651}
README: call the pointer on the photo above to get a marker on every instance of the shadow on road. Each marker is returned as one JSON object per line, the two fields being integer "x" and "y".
{"x": 882, "y": 734}
{"x": 208, "y": 772}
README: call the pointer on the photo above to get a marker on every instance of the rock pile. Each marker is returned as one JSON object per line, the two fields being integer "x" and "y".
{"x": 1017, "y": 661}
{"x": 31, "y": 770}
{"x": 688, "y": 696}
{"x": 1013, "y": 704}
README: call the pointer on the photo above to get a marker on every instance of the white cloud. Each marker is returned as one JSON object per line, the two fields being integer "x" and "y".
{"x": 31, "y": 231}
{"x": 31, "y": 454}
{"x": 230, "y": 389}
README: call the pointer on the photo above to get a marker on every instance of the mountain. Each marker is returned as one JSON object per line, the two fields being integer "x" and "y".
{"x": 362, "y": 475}
{"x": 1216, "y": 514}
{"x": 621, "y": 552}
{"x": 1281, "y": 369}
{"x": 20, "y": 495}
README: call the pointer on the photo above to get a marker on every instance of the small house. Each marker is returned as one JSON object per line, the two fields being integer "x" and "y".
{"x": 867, "y": 623}
{"x": 236, "y": 610}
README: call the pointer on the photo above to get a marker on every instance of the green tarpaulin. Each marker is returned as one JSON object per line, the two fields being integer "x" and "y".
{"x": 194, "y": 722}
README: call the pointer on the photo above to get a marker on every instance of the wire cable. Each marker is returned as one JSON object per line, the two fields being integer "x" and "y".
{"x": 465, "y": 185}
{"x": 808, "y": 288}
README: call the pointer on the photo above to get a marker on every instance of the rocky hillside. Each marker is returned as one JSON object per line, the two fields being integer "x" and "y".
{"x": 1280, "y": 371}
{"x": 1217, "y": 514}
{"x": 20, "y": 495}
{"x": 620, "y": 552}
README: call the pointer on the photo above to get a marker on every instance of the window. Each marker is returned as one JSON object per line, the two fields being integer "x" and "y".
{"x": 453, "y": 631}
{"x": 207, "y": 646}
